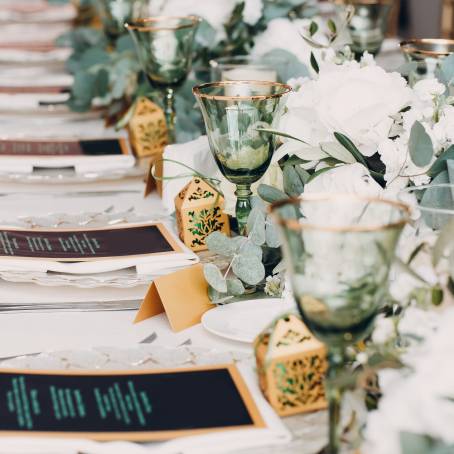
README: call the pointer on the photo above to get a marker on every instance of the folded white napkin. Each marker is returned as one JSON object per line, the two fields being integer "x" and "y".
{"x": 231, "y": 441}
{"x": 35, "y": 33}
{"x": 23, "y": 56}
{"x": 195, "y": 154}
{"x": 29, "y": 101}
{"x": 152, "y": 264}
{"x": 81, "y": 164}
{"x": 39, "y": 13}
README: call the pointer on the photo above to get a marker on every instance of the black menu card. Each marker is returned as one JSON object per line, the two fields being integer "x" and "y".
{"x": 78, "y": 245}
{"x": 129, "y": 405}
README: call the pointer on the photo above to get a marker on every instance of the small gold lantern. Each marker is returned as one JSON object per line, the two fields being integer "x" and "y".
{"x": 199, "y": 212}
{"x": 291, "y": 365}
{"x": 147, "y": 130}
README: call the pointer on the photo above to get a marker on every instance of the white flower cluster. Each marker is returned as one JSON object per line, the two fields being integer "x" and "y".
{"x": 216, "y": 13}
{"x": 376, "y": 110}
{"x": 420, "y": 402}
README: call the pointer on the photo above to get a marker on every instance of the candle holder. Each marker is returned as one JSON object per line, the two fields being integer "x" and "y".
{"x": 164, "y": 45}
{"x": 427, "y": 54}
{"x": 368, "y": 24}
{"x": 236, "y": 115}
{"x": 114, "y": 14}
{"x": 245, "y": 67}
{"x": 339, "y": 249}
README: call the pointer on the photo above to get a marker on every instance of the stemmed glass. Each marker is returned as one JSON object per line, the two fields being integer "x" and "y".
{"x": 338, "y": 250}
{"x": 164, "y": 46}
{"x": 238, "y": 115}
{"x": 114, "y": 13}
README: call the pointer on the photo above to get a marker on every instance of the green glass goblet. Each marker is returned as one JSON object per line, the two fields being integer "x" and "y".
{"x": 339, "y": 249}
{"x": 114, "y": 14}
{"x": 164, "y": 45}
{"x": 237, "y": 115}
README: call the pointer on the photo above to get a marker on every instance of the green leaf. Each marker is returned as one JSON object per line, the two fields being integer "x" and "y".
{"x": 293, "y": 185}
{"x": 338, "y": 151}
{"x": 319, "y": 172}
{"x": 215, "y": 278}
{"x": 440, "y": 164}
{"x": 314, "y": 63}
{"x": 412, "y": 443}
{"x": 94, "y": 56}
{"x": 249, "y": 269}
{"x": 407, "y": 68}
{"x": 270, "y": 194}
{"x": 447, "y": 69}
{"x": 218, "y": 297}
{"x": 437, "y": 295}
{"x": 332, "y": 26}
{"x": 272, "y": 236}
{"x": 124, "y": 43}
{"x": 256, "y": 226}
{"x": 235, "y": 287}
{"x": 313, "y": 28}
{"x": 351, "y": 147}
{"x": 279, "y": 133}
{"x": 420, "y": 145}
{"x": 302, "y": 173}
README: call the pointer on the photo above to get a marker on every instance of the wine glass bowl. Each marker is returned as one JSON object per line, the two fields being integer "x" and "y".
{"x": 164, "y": 46}
{"x": 339, "y": 250}
{"x": 238, "y": 116}
{"x": 114, "y": 13}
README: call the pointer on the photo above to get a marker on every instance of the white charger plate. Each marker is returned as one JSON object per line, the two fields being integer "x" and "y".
{"x": 245, "y": 320}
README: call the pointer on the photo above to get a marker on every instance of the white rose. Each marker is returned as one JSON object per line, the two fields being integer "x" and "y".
{"x": 359, "y": 102}
{"x": 346, "y": 179}
{"x": 428, "y": 89}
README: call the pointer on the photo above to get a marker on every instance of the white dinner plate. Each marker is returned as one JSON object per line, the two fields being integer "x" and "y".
{"x": 244, "y": 320}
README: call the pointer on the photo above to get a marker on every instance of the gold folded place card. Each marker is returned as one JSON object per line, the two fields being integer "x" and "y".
{"x": 126, "y": 405}
{"x": 182, "y": 295}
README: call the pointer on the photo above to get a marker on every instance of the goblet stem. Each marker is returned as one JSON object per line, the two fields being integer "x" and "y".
{"x": 243, "y": 206}
{"x": 169, "y": 110}
{"x": 334, "y": 394}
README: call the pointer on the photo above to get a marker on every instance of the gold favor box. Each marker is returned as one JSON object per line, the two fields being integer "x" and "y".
{"x": 291, "y": 365}
{"x": 147, "y": 130}
{"x": 199, "y": 212}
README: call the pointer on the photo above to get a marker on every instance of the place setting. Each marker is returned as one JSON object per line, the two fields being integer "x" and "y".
{"x": 226, "y": 228}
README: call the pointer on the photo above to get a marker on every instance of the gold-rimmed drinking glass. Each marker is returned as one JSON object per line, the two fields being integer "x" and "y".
{"x": 338, "y": 250}
{"x": 114, "y": 14}
{"x": 237, "y": 115}
{"x": 368, "y": 24}
{"x": 164, "y": 45}
{"x": 427, "y": 53}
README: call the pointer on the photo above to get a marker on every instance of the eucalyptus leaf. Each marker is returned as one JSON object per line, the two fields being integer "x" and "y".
{"x": 270, "y": 194}
{"x": 249, "y": 269}
{"x": 235, "y": 287}
{"x": 339, "y": 152}
{"x": 249, "y": 248}
{"x": 413, "y": 443}
{"x": 420, "y": 145}
{"x": 288, "y": 66}
{"x": 217, "y": 297}
{"x": 447, "y": 69}
{"x": 407, "y": 68}
{"x": 440, "y": 164}
{"x": 351, "y": 147}
{"x": 220, "y": 244}
{"x": 272, "y": 236}
{"x": 256, "y": 226}
{"x": 302, "y": 173}
{"x": 214, "y": 277}
{"x": 293, "y": 185}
